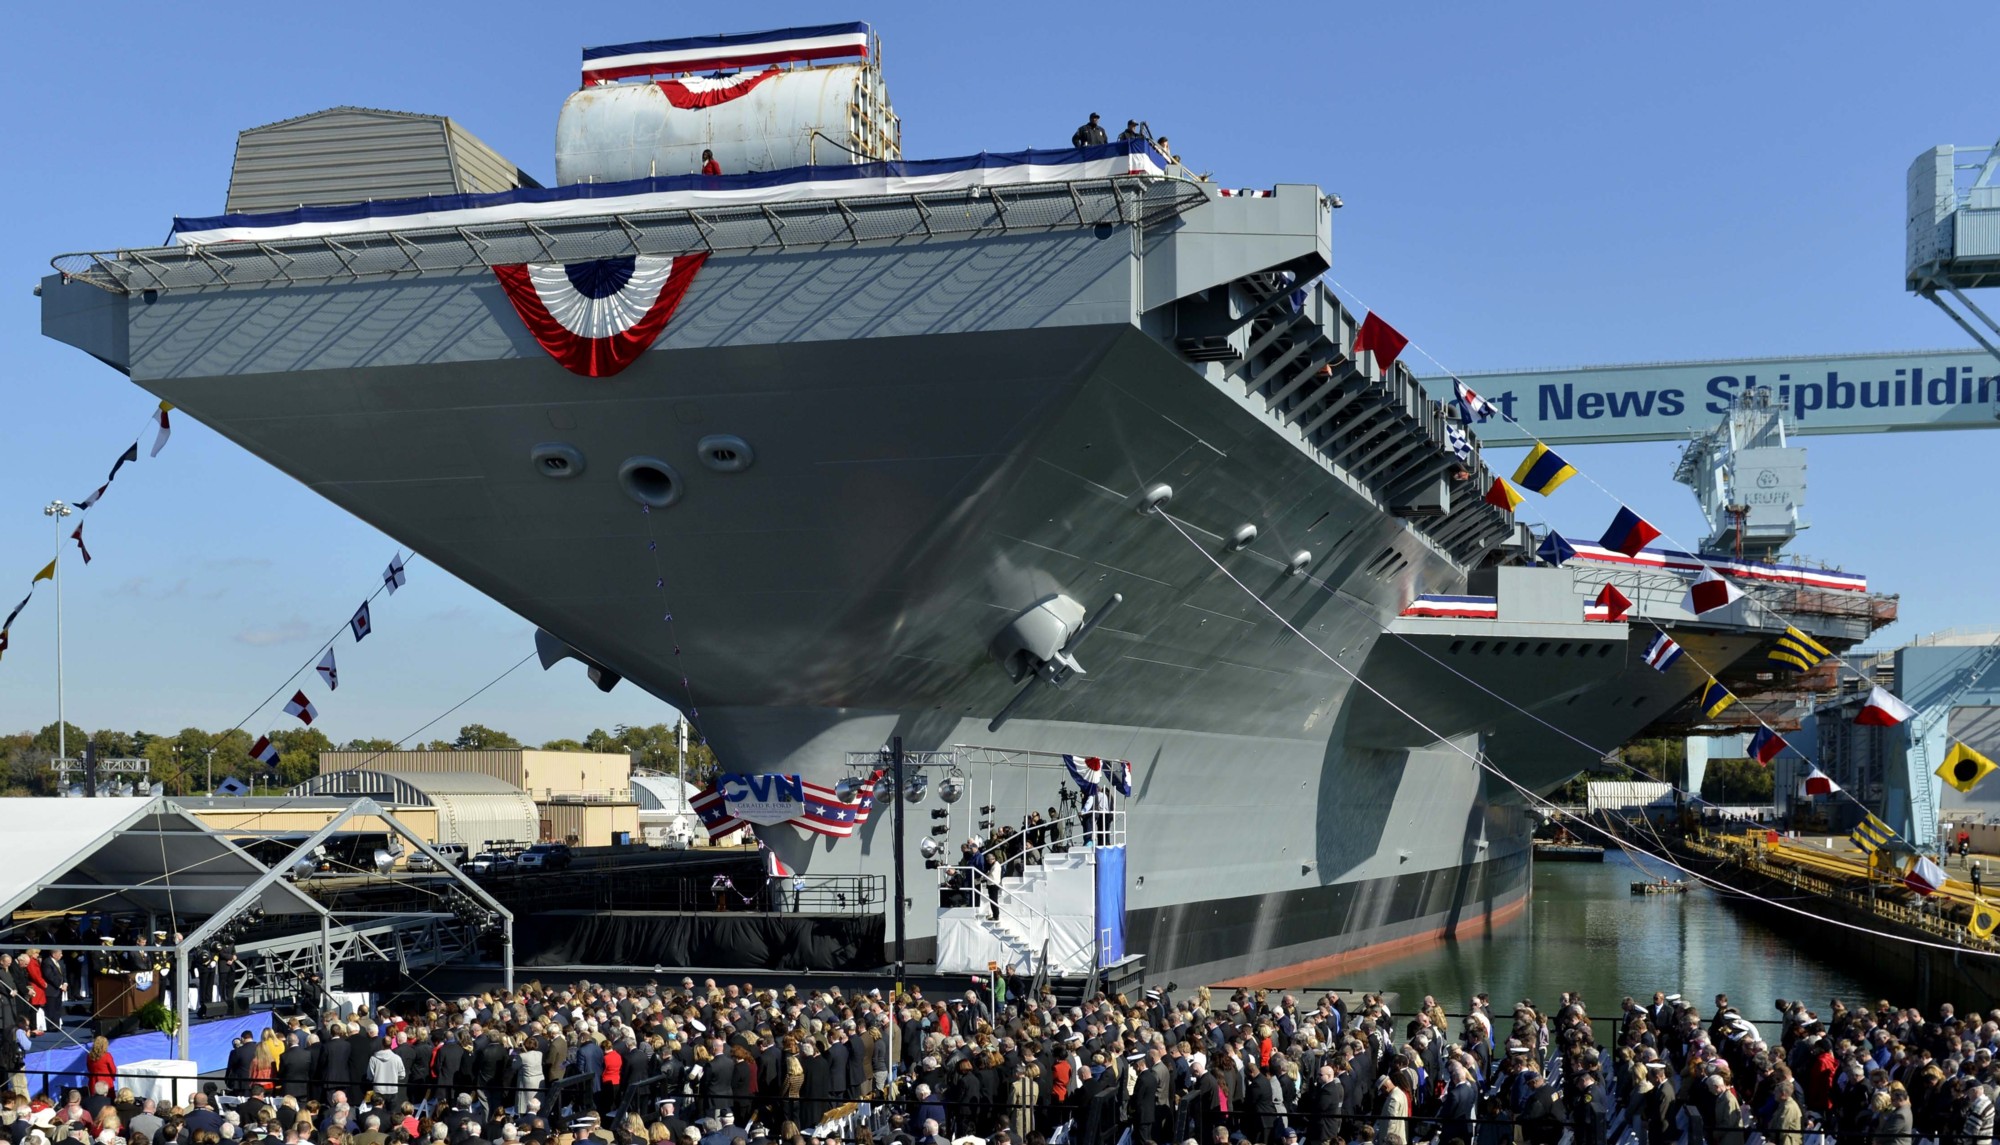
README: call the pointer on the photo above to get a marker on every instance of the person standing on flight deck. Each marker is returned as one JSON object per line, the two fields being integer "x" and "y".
{"x": 1090, "y": 134}
{"x": 708, "y": 164}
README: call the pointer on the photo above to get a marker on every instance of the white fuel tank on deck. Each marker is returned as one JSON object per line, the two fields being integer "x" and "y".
{"x": 823, "y": 115}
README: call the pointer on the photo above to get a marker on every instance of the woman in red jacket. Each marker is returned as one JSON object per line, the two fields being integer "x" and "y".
{"x": 101, "y": 1066}
{"x": 38, "y": 988}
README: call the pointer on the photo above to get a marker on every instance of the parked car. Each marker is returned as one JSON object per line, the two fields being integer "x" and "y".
{"x": 454, "y": 853}
{"x": 488, "y": 863}
{"x": 546, "y": 857}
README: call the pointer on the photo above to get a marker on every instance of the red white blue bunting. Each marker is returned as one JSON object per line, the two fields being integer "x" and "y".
{"x": 596, "y": 318}
{"x": 692, "y": 93}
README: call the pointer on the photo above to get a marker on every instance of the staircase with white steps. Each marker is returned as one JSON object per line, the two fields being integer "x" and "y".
{"x": 1051, "y": 905}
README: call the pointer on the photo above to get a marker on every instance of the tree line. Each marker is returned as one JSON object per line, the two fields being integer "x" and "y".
{"x": 187, "y": 762}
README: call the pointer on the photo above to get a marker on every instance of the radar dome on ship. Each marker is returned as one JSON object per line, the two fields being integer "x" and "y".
{"x": 760, "y": 101}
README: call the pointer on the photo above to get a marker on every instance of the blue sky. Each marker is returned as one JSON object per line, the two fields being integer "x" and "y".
{"x": 1526, "y": 185}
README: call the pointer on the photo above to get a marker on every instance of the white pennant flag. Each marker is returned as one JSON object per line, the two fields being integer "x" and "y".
{"x": 166, "y": 430}
{"x": 328, "y": 672}
{"x": 393, "y": 575}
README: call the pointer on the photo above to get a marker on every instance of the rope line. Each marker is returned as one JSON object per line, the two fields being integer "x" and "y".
{"x": 1503, "y": 777}
{"x": 1749, "y": 598}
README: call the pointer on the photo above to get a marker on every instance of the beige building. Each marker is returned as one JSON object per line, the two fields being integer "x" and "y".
{"x": 542, "y": 774}
{"x": 289, "y": 815}
{"x": 583, "y": 798}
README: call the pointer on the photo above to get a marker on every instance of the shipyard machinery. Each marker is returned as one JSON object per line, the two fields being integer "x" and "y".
{"x": 1738, "y": 416}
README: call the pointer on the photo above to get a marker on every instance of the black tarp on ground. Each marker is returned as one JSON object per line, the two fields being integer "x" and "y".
{"x": 660, "y": 938}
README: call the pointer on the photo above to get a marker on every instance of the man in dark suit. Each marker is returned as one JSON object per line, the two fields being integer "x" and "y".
{"x": 1260, "y": 1093}
{"x": 1149, "y": 1097}
{"x": 201, "y": 1117}
{"x": 1461, "y": 1102}
{"x": 1658, "y": 1107}
{"x": 361, "y": 1045}
{"x": 492, "y": 1067}
{"x": 242, "y": 1052}
{"x": 816, "y": 1093}
{"x": 335, "y": 1065}
{"x": 1325, "y": 1106}
{"x": 295, "y": 1068}
{"x": 838, "y": 1054}
{"x": 450, "y": 1067}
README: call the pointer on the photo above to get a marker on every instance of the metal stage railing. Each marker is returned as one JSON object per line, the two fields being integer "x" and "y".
{"x": 1034, "y": 208}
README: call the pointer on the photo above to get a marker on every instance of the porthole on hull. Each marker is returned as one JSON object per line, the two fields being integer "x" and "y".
{"x": 725, "y": 453}
{"x": 650, "y": 481}
{"x": 556, "y": 461}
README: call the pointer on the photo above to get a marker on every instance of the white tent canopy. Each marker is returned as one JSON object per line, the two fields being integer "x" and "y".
{"x": 126, "y": 855}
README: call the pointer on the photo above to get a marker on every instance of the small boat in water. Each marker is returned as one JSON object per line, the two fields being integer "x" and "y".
{"x": 1554, "y": 852}
{"x": 1660, "y": 887}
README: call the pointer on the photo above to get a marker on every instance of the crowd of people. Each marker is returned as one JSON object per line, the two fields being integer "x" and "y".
{"x": 709, "y": 1064}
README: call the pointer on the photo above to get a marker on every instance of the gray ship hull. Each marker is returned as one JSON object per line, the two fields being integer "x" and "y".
{"x": 944, "y": 434}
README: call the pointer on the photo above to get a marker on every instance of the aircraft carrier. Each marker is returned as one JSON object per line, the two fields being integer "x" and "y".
{"x": 901, "y": 427}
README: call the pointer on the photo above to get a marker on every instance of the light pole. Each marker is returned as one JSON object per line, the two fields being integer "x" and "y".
{"x": 58, "y": 511}
{"x": 208, "y": 773}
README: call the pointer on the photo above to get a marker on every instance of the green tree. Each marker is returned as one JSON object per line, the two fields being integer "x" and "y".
{"x": 298, "y": 754}
{"x": 562, "y": 745}
{"x": 46, "y": 740}
{"x": 376, "y": 744}
{"x": 112, "y": 744}
{"x": 1736, "y": 781}
{"x": 479, "y": 737}
{"x": 172, "y": 767}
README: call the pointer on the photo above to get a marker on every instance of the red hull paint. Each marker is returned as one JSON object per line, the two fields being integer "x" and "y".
{"x": 1301, "y": 973}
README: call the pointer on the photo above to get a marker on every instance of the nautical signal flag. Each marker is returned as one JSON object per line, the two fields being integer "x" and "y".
{"x": 1662, "y": 652}
{"x": 1503, "y": 496}
{"x": 1614, "y": 603}
{"x": 1797, "y": 652}
{"x": 131, "y": 454}
{"x": 1964, "y": 768}
{"x": 1629, "y": 532}
{"x": 301, "y": 707}
{"x": 360, "y": 623}
{"x": 1456, "y": 441}
{"x": 1766, "y": 744}
{"x": 1381, "y": 339}
{"x": 393, "y": 576}
{"x": 166, "y": 431}
{"x": 1924, "y": 876}
{"x": 1817, "y": 782}
{"x": 1554, "y": 550}
{"x": 77, "y": 536}
{"x": 329, "y": 671}
{"x": 1543, "y": 470}
{"x": 1714, "y": 698}
{"x": 1710, "y": 592}
{"x": 1471, "y": 407}
{"x": 1871, "y": 834}
{"x": 1882, "y": 710}
{"x": 264, "y": 751}
{"x": 48, "y": 573}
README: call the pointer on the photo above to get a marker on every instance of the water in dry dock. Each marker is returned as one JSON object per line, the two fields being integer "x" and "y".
{"x": 1584, "y": 929}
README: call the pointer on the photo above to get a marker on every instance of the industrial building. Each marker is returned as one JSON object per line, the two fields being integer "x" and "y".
{"x": 1948, "y": 678}
{"x": 517, "y": 795}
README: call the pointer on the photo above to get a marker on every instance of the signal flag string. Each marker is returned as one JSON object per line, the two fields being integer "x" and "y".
{"x": 1958, "y": 745}
{"x": 1525, "y": 792}
{"x": 691, "y": 713}
{"x": 157, "y": 418}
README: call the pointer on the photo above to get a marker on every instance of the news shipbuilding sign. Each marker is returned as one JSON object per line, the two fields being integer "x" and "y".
{"x": 1854, "y": 393}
